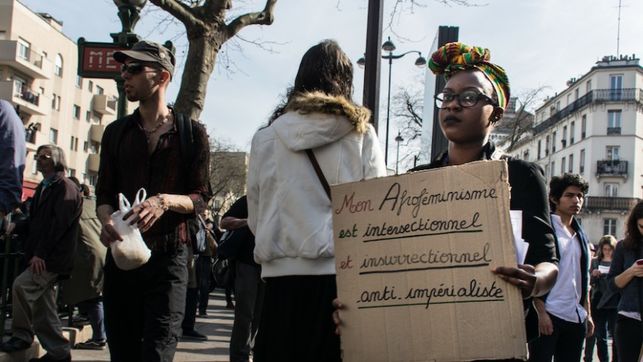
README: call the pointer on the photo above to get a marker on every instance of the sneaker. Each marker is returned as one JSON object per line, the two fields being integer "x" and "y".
{"x": 229, "y": 305}
{"x": 91, "y": 344}
{"x": 194, "y": 335}
{"x": 48, "y": 358}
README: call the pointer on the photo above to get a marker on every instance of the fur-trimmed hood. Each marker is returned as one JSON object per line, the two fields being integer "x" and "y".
{"x": 315, "y": 119}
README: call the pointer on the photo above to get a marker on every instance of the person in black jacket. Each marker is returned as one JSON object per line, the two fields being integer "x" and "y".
{"x": 472, "y": 101}
{"x": 52, "y": 233}
{"x": 248, "y": 286}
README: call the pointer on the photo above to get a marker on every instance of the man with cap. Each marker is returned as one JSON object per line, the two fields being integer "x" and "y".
{"x": 144, "y": 307}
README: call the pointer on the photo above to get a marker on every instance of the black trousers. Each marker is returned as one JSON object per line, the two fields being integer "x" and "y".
{"x": 144, "y": 307}
{"x": 628, "y": 338}
{"x": 565, "y": 344}
{"x": 296, "y": 320}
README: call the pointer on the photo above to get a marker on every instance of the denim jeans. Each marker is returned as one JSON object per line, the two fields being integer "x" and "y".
{"x": 96, "y": 315}
{"x": 144, "y": 307}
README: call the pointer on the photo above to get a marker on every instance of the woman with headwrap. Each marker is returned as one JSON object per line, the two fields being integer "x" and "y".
{"x": 471, "y": 103}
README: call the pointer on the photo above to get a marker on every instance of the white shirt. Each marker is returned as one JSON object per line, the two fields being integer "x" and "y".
{"x": 564, "y": 298}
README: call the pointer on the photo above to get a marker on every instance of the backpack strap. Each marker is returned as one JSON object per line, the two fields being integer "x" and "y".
{"x": 184, "y": 126}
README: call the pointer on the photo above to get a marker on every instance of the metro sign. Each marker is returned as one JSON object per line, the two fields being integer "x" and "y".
{"x": 95, "y": 60}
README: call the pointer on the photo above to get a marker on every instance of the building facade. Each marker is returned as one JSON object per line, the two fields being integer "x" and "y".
{"x": 38, "y": 74}
{"x": 595, "y": 128}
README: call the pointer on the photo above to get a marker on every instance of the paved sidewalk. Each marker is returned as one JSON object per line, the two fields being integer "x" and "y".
{"x": 217, "y": 326}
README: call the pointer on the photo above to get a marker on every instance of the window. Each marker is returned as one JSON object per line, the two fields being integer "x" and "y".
{"x": 588, "y": 86}
{"x": 553, "y": 142}
{"x": 23, "y": 49}
{"x": 547, "y": 171}
{"x": 76, "y": 111}
{"x": 562, "y": 166}
{"x": 564, "y": 140}
{"x": 92, "y": 179}
{"x": 90, "y": 86}
{"x": 583, "y": 126}
{"x": 79, "y": 82}
{"x": 19, "y": 86}
{"x": 569, "y": 99}
{"x": 570, "y": 167}
{"x": 53, "y": 136}
{"x": 74, "y": 143}
{"x": 71, "y": 146}
{"x": 539, "y": 147}
{"x": 616, "y": 86}
{"x": 553, "y": 168}
{"x": 525, "y": 155}
{"x": 58, "y": 65}
{"x": 609, "y": 226}
{"x": 581, "y": 164}
{"x": 576, "y": 94}
{"x": 99, "y": 89}
{"x": 614, "y": 122}
{"x": 572, "y": 130}
{"x": 88, "y": 116}
{"x": 611, "y": 189}
{"x": 55, "y": 102}
{"x": 547, "y": 145}
{"x": 85, "y": 146}
{"x": 612, "y": 153}
{"x": 72, "y": 173}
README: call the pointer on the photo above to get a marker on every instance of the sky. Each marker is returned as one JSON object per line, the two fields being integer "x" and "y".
{"x": 541, "y": 43}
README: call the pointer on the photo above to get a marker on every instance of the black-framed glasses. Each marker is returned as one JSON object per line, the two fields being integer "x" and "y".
{"x": 465, "y": 99}
{"x": 132, "y": 68}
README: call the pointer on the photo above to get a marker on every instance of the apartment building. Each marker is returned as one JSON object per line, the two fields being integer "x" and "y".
{"x": 38, "y": 74}
{"x": 594, "y": 127}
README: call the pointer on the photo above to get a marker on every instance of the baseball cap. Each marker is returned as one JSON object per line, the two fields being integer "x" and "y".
{"x": 150, "y": 52}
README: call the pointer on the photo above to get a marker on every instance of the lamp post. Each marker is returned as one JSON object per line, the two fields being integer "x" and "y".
{"x": 128, "y": 13}
{"x": 389, "y": 47}
{"x": 398, "y": 139}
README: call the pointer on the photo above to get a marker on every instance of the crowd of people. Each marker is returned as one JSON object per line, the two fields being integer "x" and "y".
{"x": 280, "y": 237}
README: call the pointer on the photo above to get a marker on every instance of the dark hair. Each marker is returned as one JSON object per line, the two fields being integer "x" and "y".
{"x": 57, "y": 156}
{"x": 605, "y": 240}
{"x": 633, "y": 236}
{"x": 85, "y": 190}
{"x": 324, "y": 68}
{"x": 75, "y": 181}
{"x": 559, "y": 184}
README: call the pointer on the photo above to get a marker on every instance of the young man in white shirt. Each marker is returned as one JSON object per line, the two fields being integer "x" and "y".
{"x": 564, "y": 318}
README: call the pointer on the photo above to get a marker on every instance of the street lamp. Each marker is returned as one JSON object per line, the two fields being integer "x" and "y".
{"x": 389, "y": 47}
{"x": 398, "y": 139}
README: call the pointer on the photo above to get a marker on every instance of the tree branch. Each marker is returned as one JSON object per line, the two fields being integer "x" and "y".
{"x": 178, "y": 9}
{"x": 265, "y": 17}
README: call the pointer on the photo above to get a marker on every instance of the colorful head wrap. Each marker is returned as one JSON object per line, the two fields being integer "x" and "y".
{"x": 455, "y": 57}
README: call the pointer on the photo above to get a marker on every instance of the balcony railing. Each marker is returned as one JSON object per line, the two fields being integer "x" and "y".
{"x": 610, "y": 203}
{"x": 613, "y": 130}
{"x": 594, "y": 96}
{"x": 611, "y": 168}
{"x": 30, "y": 96}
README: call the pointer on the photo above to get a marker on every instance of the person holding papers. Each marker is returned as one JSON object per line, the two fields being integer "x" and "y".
{"x": 471, "y": 103}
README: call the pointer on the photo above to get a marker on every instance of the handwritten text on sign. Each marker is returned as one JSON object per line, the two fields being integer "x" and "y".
{"x": 417, "y": 250}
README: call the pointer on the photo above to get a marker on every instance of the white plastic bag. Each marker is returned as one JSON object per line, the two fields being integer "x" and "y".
{"x": 132, "y": 252}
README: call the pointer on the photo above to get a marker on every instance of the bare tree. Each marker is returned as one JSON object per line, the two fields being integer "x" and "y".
{"x": 518, "y": 119}
{"x": 207, "y": 29}
{"x": 228, "y": 171}
{"x": 407, "y": 108}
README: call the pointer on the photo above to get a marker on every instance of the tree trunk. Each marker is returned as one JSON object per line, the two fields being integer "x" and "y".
{"x": 202, "y": 53}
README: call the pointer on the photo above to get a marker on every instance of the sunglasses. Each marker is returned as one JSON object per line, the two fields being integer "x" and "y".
{"x": 132, "y": 68}
{"x": 40, "y": 157}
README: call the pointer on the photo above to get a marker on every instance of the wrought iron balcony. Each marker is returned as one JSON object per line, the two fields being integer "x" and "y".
{"x": 613, "y": 130}
{"x": 611, "y": 168}
{"x": 595, "y": 203}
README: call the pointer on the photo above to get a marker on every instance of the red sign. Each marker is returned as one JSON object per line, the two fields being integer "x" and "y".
{"x": 96, "y": 60}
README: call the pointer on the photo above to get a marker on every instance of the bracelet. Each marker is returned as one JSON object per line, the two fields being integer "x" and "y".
{"x": 162, "y": 202}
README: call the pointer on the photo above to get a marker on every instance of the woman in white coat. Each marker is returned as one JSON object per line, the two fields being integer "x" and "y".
{"x": 289, "y": 210}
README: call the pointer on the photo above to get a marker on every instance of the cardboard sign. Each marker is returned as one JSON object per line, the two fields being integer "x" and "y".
{"x": 414, "y": 255}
